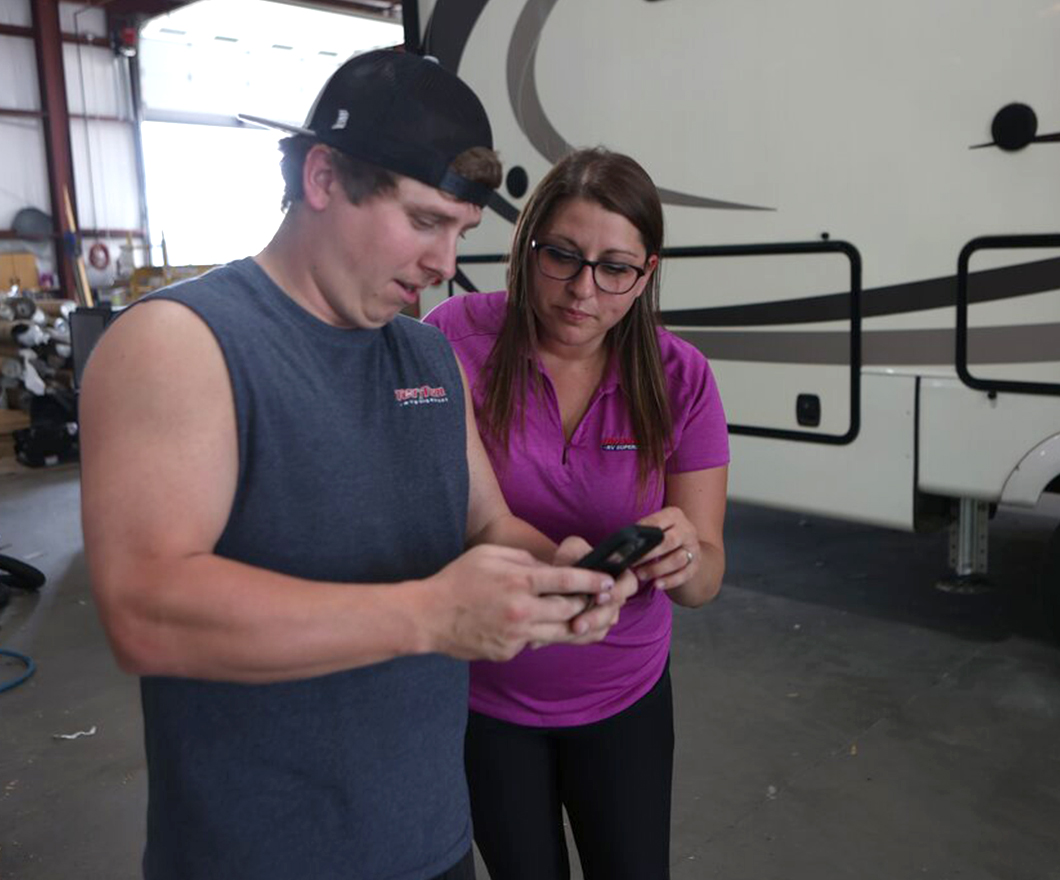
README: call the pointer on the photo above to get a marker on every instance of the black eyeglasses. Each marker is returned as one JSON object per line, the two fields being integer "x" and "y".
{"x": 561, "y": 265}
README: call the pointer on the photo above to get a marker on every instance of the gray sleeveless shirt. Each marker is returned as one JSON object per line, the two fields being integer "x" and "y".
{"x": 352, "y": 468}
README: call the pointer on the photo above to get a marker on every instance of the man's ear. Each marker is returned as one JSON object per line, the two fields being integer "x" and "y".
{"x": 319, "y": 177}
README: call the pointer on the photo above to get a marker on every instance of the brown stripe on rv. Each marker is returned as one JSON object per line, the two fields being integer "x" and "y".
{"x": 915, "y": 296}
{"x": 1017, "y": 344}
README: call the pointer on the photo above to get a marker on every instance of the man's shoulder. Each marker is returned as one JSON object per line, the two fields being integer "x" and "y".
{"x": 179, "y": 305}
{"x": 419, "y": 339}
{"x": 210, "y": 282}
{"x": 161, "y": 341}
{"x": 414, "y": 330}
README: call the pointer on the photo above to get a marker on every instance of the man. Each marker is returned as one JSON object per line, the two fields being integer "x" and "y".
{"x": 280, "y": 476}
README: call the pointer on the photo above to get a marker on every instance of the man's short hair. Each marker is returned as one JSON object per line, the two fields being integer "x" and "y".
{"x": 363, "y": 180}
{"x": 400, "y": 112}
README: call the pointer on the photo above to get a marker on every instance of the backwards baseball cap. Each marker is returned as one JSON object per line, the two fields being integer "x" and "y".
{"x": 402, "y": 112}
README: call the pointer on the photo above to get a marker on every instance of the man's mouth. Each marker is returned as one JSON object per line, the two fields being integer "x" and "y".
{"x": 411, "y": 291}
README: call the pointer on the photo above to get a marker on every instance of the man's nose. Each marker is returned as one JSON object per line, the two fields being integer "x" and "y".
{"x": 441, "y": 259}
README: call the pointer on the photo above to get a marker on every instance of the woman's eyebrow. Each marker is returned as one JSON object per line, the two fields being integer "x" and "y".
{"x": 566, "y": 242}
{"x": 575, "y": 247}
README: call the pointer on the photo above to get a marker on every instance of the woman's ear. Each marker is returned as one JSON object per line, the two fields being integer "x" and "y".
{"x": 649, "y": 267}
{"x": 319, "y": 177}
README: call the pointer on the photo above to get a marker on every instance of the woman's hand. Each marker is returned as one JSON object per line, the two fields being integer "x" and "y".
{"x": 601, "y": 610}
{"x": 676, "y": 560}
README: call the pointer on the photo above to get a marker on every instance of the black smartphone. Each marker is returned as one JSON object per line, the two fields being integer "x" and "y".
{"x": 618, "y": 551}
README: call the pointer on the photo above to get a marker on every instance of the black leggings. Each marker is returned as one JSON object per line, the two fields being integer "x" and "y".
{"x": 462, "y": 870}
{"x": 614, "y": 778}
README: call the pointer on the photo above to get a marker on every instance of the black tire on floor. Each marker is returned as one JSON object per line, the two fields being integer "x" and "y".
{"x": 1050, "y": 583}
{"x": 14, "y": 573}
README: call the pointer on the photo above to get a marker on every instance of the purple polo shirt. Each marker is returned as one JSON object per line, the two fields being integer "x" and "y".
{"x": 586, "y": 486}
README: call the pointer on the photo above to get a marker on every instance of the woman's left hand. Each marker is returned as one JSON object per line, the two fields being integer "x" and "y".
{"x": 676, "y": 560}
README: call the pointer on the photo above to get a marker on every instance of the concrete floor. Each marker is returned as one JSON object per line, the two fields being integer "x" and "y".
{"x": 837, "y": 717}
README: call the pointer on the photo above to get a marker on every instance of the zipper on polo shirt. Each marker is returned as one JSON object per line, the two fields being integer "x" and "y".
{"x": 553, "y": 411}
{"x": 557, "y": 416}
{"x": 598, "y": 395}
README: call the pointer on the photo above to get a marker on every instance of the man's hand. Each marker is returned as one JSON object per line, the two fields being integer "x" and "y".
{"x": 493, "y": 601}
{"x": 596, "y": 617}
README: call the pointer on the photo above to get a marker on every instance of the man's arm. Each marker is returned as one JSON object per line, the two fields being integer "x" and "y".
{"x": 159, "y": 468}
{"x": 491, "y": 522}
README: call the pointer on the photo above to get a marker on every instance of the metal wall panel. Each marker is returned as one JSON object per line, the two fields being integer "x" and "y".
{"x": 19, "y": 89}
{"x": 79, "y": 18}
{"x": 15, "y": 12}
{"x": 96, "y": 81}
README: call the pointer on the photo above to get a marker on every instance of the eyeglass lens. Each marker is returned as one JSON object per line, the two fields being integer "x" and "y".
{"x": 563, "y": 265}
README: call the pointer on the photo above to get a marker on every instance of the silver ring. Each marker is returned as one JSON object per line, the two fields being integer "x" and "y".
{"x": 691, "y": 556}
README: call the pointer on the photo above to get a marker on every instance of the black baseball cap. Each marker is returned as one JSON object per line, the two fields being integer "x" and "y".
{"x": 402, "y": 112}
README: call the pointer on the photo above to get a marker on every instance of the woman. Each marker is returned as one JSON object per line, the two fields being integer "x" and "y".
{"x": 594, "y": 417}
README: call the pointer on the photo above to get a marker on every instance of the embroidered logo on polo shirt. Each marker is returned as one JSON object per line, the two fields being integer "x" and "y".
{"x": 618, "y": 444}
{"x": 417, "y": 396}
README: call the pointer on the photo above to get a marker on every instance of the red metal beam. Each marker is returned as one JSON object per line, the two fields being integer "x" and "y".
{"x": 14, "y": 30}
{"x": 11, "y": 235}
{"x": 88, "y": 40}
{"x": 48, "y": 41}
{"x": 151, "y": 8}
{"x": 38, "y": 114}
{"x": 143, "y": 8}
{"x": 112, "y": 233}
{"x": 387, "y": 10}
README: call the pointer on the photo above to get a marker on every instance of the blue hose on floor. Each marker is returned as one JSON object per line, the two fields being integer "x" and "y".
{"x": 31, "y": 667}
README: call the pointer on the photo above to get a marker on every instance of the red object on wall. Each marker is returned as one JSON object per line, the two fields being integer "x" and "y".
{"x": 126, "y": 41}
{"x": 99, "y": 256}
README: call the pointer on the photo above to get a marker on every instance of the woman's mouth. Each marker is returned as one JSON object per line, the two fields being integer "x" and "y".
{"x": 574, "y": 315}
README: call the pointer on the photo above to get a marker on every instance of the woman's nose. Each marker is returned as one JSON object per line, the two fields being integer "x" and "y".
{"x": 583, "y": 285}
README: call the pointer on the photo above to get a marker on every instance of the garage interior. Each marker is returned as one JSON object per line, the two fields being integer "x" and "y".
{"x": 837, "y": 714}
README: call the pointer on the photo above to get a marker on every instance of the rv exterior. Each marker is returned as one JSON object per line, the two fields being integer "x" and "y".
{"x": 863, "y": 225}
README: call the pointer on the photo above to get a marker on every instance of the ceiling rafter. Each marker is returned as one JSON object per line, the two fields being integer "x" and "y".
{"x": 141, "y": 9}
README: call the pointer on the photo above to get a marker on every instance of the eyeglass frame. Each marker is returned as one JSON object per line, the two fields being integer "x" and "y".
{"x": 641, "y": 271}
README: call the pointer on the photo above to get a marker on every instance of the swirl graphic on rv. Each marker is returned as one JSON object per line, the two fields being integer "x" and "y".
{"x": 531, "y": 116}
{"x": 445, "y": 38}
{"x": 873, "y": 158}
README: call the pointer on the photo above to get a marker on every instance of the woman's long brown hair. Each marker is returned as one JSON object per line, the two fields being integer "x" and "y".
{"x": 616, "y": 183}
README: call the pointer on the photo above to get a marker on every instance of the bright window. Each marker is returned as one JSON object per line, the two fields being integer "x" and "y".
{"x": 213, "y": 192}
{"x": 213, "y": 186}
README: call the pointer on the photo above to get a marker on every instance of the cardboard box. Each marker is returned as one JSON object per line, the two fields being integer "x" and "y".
{"x": 18, "y": 268}
{"x": 12, "y": 420}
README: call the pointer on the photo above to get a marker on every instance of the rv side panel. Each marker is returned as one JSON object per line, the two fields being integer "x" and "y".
{"x": 870, "y": 480}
